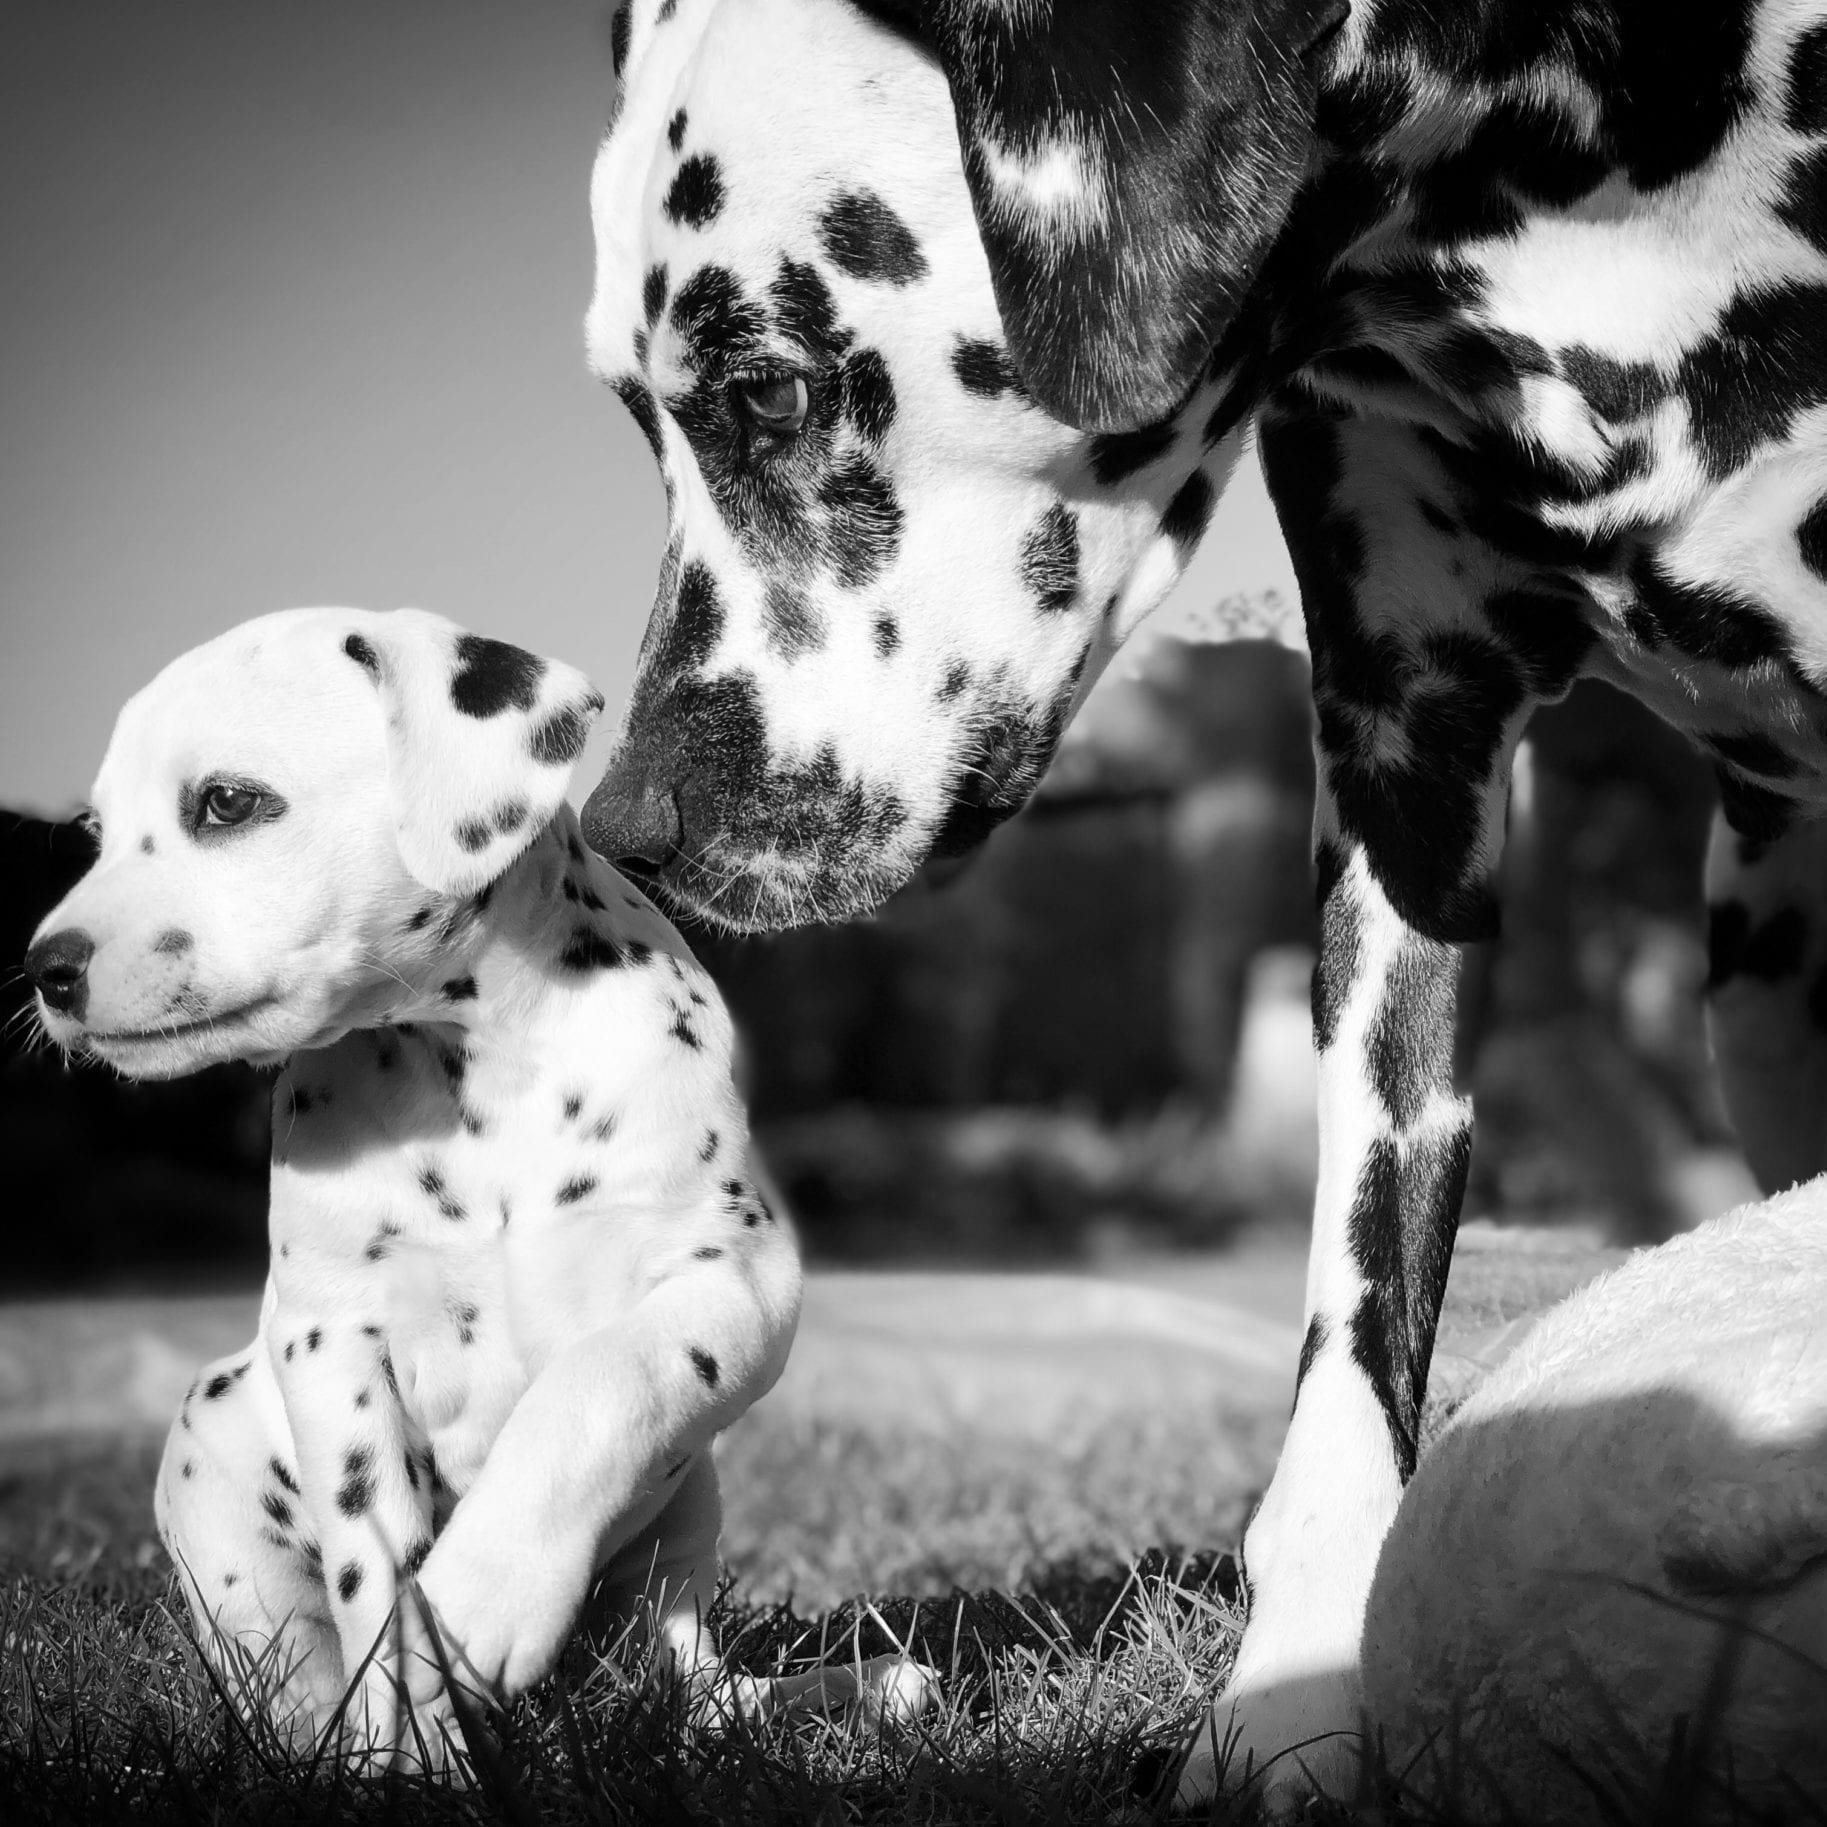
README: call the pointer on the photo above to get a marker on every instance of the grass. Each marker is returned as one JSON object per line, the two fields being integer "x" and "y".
{"x": 1073, "y": 1660}
{"x": 1045, "y": 1579}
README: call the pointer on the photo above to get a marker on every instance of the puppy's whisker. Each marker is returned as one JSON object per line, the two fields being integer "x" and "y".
{"x": 377, "y": 963}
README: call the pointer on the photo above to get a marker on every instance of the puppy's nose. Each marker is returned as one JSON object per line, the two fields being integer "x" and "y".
{"x": 635, "y": 825}
{"x": 58, "y": 966}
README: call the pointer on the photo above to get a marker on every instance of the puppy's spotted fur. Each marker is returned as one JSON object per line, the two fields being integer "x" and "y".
{"x": 1527, "y": 303}
{"x": 520, "y": 1275}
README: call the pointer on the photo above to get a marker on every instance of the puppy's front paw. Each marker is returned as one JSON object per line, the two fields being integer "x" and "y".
{"x": 501, "y": 1619}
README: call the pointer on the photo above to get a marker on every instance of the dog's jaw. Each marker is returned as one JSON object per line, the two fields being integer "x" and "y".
{"x": 181, "y": 1046}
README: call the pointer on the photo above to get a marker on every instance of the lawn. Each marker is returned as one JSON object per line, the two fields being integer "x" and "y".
{"x": 1066, "y": 1661}
{"x": 1044, "y": 1570}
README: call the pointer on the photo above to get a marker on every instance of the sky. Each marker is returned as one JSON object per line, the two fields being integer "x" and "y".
{"x": 291, "y": 314}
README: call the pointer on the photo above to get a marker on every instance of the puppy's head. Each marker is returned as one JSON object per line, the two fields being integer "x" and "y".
{"x": 288, "y": 819}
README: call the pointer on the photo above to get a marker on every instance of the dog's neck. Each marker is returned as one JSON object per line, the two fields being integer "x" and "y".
{"x": 494, "y": 962}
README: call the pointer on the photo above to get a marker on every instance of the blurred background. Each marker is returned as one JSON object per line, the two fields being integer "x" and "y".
{"x": 291, "y": 316}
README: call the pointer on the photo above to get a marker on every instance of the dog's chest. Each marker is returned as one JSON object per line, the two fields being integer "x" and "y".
{"x": 478, "y": 1212}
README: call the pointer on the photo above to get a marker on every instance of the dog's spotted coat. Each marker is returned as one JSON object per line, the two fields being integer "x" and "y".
{"x": 520, "y": 1273}
{"x": 946, "y": 319}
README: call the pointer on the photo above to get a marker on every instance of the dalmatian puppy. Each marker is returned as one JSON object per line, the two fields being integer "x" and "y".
{"x": 521, "y": 1275}
{"x": 946, "y": 320}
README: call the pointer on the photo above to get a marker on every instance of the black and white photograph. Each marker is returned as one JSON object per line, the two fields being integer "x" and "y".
{"x": 914, "y": 912}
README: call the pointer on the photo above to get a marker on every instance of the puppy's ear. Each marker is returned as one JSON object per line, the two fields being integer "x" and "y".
{"x": 481, "y": 737}
{"x": 1130, "y": 162}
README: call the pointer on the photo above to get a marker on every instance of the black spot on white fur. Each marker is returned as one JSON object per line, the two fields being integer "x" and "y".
{"x": 793, "y": 623}
{"x": 493, "y": 677}
{"x": 1189, "y": 513}
{"x": 1118, "y": 455}
{"x": 355, "y": 1494}
{"x": 869, "y": 241}
{"x": 560, "y": 739}
{"x": 432, "y": 1184}
{"x": 1807, "y": 97}
{"x": 586, "y": 949}
{"x": 1811, "y": 538}
{"x": 985, "y": 370}
{"x": 1050, "y": 557}
{"x": 705, "y": 1365}
{"x": 694, "y": 198}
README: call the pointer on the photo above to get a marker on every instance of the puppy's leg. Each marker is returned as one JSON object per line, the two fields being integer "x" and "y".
{"x": 372, "y": 1502}
{"x": 594, "y": 1450}
{"x": 662, "y": 1584}
{"x": 230, "y": 1513}
{"x": 1767, "y": 983}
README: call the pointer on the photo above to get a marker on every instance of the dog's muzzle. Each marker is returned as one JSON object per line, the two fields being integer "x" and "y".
{"x": 58, "y": 968}
{"x": 634, "y": 823}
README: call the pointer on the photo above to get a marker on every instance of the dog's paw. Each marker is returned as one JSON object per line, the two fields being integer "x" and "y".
{"x": 382, "y": 1727}
{"x": 898, "y": 1691}
{"x": 501, "y": 1618}
{"x": 888, "y": 1690}
{"x": 1278, "y": 1738}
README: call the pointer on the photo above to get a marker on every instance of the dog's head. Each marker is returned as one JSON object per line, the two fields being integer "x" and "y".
{"x": 287, "y": 818}
{"x": 917, "y": 305}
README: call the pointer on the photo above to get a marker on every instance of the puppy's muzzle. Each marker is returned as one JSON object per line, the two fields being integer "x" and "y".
{"x": 58, "y": 966}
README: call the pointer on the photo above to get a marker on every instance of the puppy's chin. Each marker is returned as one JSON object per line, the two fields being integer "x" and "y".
{"x": 254, "y": 1030}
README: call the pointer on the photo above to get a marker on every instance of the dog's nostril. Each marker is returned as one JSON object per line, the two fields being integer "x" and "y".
{"x": 58, "y": 966}
{"x": 638, "y": 829}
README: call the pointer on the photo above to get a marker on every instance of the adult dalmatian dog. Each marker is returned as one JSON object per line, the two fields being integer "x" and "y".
{"x": 946, "y": 320}
{"x": 520, "y": 1274}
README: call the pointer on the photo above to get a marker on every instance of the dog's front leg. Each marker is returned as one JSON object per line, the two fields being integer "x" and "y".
{"x": 1418, "y": 717}
{"x": 370, "y": 1503}
{"x": 591, "y": 1455}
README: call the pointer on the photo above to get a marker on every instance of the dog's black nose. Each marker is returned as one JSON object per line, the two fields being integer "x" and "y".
{"x": 58, "y": 966}
{"x": 633, "y": 825}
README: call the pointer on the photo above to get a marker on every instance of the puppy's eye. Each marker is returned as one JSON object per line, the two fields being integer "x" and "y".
{"x": 774, "y": 402}
{"x": 224, "y": 803}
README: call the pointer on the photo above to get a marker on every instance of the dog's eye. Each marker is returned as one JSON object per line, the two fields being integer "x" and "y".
{"x": 227, "y": 804}
{"x": 774, "y": 402}
{"x": 214, "y": 805}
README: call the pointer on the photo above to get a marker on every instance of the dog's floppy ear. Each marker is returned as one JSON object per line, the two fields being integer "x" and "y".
{"x": 1130, "y": 161}
{"x": 481, "y": 737}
